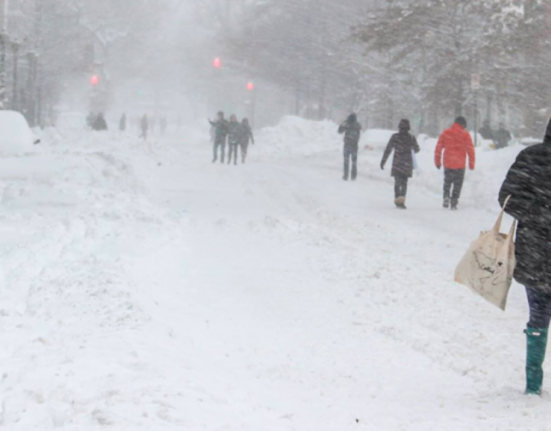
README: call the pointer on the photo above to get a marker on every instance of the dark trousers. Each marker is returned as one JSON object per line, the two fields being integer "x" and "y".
{"x": 453, "y": 183}
{"x": 400, "y": 186}
{"x": 540, "y": 308}
{"x": 219, "y": 142}
{"x": 233, "y": 152}
{"x": 350, "y": 153}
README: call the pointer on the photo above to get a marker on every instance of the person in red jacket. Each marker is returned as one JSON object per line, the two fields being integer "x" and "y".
{"x": 457, "y": 146}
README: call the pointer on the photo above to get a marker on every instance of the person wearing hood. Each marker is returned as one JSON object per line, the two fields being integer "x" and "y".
{"x": 528, "y": 184}
{"x": 352, "y": 130}
{"x": 404, "y": 145}
{"x": 455, "y": 145}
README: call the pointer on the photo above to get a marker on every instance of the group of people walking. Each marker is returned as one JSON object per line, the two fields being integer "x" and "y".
{"x": 455, "y": 147}
{"x": 237, "y": 136}
{"x": 525, "y": 194}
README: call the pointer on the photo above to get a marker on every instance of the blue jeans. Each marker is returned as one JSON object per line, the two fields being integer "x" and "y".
{"x": 540, "y": 308}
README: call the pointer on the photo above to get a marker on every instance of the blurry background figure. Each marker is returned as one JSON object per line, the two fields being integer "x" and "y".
{"x": 144, "y": 125}
{"x": 100, "y": 124}
{"x": 122, "y": 123}
{"x": 220, "y": 127}
{"x": 234, "y": 134}
{"x": 164, "y": 124}
{"x": 486, "y": 131}
{"x": 90, "y": 119}
{"x": 352, "y": 132}
{"x": 502, "y": 137}
{"x": 246, "y": 137}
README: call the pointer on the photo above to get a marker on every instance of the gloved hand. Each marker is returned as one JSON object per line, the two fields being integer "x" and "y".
{"x": 382, "y": 167}
{"x": 438, "y": 167}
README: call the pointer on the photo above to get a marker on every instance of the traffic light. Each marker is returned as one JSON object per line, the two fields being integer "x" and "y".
{"x": 250, "y": 86}
{"x": 94, "y": 80}
{"x": 217, "y": 63}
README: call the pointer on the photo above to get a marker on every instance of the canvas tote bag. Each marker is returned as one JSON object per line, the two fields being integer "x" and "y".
{"x": 488, "y": 266}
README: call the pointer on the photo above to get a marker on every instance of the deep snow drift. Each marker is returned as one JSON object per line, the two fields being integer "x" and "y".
{"x": 144, "y": 288}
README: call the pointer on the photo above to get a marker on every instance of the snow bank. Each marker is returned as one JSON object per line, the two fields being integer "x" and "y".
{"x": 16, "y": 136}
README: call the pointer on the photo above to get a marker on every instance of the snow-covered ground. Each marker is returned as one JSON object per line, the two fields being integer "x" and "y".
{"x": 144, "y": 288}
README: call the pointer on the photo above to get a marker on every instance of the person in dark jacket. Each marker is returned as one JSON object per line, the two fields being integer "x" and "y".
{"x": 144, "y": 125}
{"x": 100, "y": 124}
{"x": 220, "y": 135}
{"x": 404, "y": 145}
{"x": 246, "y": 137}
{"x": 234, "y": 138}
{"x": 502, "y": 137}
{"x": 352, "y": 132}
{"x": 528, "y": 183}
{"x": 122, "y": 123}
{"x": 486, "y": 131}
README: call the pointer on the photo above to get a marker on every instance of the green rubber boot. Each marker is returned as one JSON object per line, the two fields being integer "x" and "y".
{"x": 535, "y": 355}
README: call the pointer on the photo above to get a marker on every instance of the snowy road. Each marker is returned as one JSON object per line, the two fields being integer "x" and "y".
{"x": 270, "y": 296}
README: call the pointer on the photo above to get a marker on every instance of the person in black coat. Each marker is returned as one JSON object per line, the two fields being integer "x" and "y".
{"x": 502, "y": 137}
{"x": 220, "y": 135}
{"x": 352, "y": 132}
{"x": 528, "y": 183}
{"x": 246, "y": 137}
{"x": 404, "y": 145}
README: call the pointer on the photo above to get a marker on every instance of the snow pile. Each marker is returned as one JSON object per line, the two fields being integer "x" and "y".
{"x": 74, "y": 217}
{"x": 16, "y": 136}
{"x": 294, "y": 135}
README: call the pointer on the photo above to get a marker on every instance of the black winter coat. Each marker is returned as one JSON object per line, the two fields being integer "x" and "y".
{"x": 529, "y": 185}
{"x": 403, "y": 144}
{"x": 352, "y": 132}
{"x": 220, "y": 128}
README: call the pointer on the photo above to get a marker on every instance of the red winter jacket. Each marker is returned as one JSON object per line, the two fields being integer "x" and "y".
{"x": 456, "y": 143}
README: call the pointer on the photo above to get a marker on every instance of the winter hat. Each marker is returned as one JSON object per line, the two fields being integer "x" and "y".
{"x": 547, "y": 139}
{"x": 404, "y": 125}
{"x": 352, "y": 118}
{"x": 461, "y": 121}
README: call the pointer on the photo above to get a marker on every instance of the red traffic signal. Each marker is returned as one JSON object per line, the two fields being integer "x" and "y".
{"x": 250, "y": 86}
{"x": 94, "y": 80}
{"x": 217, "y": 63}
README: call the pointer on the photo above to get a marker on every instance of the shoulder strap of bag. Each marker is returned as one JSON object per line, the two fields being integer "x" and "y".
{"x": 497, "y": 226}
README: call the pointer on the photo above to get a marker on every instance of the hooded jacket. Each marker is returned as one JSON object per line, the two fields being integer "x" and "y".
{"x": 457, "y": 145}
{"x": 528, "y": 182}
{"x": 352, "y": 130}
{"x": 404, "y": 145}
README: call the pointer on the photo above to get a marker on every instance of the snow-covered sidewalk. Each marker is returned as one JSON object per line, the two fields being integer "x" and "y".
{"x": 145, "y": 288}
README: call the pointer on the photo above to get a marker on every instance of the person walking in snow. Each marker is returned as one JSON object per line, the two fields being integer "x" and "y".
{"x": 220, "y": 135}
{"x": 455, "y": 145}
{"x": 246, "y": 137}
{"x": 234, "y": 138}
{"x": 122, "y": 123}
{"x": 100, "y": 124}
{"x": 352, "y": 130}
{"x": 404, "y": 145}
{"x": 528, "y": 183}
{"x": 144, "y": 125}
